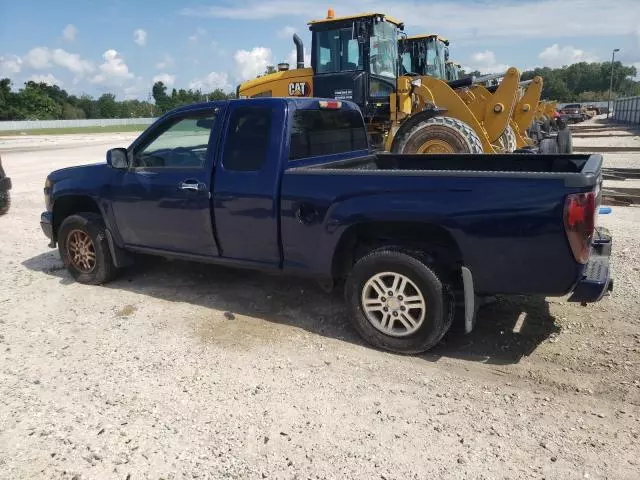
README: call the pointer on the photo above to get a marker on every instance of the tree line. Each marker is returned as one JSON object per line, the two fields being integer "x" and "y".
{"x": 40, "y": 101}
{"x": 580, "y": 82}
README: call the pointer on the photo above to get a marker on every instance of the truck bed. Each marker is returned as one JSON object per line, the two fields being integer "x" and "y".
{"x": 576, "y": 170}
{"x": 505, "y": 212}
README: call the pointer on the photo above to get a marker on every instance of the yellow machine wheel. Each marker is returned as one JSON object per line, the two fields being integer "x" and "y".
{"x": 507, "y": 140}
{"x": 439, "y": 135}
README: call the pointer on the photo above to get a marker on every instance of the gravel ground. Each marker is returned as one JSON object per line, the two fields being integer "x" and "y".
{"x": 180, "y": 371}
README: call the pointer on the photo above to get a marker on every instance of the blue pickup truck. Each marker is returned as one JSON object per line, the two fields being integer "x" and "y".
{"x": 290, "y": 185}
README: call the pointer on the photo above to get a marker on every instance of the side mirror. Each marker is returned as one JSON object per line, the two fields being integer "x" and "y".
{"x": 118, "y": 158}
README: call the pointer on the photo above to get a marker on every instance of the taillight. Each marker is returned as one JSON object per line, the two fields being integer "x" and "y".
{"x": 579, "y": 223}
{"x": 330, "y": 104}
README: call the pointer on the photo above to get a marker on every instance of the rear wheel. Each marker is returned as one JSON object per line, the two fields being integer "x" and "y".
{"x": 397, "y": 302}
{"x": 439, "y": 135}
{"x": 565, "y": 141}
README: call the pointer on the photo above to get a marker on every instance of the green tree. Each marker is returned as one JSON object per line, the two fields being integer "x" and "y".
{"x": 107, "y": 106}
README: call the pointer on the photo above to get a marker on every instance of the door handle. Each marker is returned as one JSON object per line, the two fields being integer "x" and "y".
{"x": 191, "y": 185}
{"x": 306, "y": 214}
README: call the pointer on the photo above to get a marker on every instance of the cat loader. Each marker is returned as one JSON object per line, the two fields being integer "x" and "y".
{"x": 356, "y": 58}
{"x": 428, "y": 56}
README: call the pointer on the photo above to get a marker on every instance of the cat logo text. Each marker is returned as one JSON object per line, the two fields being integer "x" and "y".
{"x": 298, "y": 89}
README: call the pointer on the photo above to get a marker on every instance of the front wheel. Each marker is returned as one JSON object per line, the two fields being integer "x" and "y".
{"x": 83, "y": 247}
{"x": 397, "y": 302}
{"x": 439, "y": 135}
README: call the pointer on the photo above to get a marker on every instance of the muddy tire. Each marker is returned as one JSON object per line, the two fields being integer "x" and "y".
{"x": 84, "y": 250}
{"x": 439, "y": 135}
{"x": 565, "y": 141}
{"x": 397, "y": 302}
{"x": 508, "y": 141}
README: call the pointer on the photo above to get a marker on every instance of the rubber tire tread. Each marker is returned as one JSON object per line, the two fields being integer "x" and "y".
{"x": 549, "y": 145}
{"x": 565, "y": 141}
{"x": 508, "y": 139}
{"x": 438, "y": 297}
{"x": 93, "y": 224}
{"x": 469, "y": 142}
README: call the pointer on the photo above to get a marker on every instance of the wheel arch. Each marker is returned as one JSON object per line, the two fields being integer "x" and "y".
{"x": 67, "y": 205}
{"x": 359, "y": 239}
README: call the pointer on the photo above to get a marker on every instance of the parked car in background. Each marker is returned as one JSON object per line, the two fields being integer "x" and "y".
{"x": 5, "y": 186}
{"x": 572, "y": 113}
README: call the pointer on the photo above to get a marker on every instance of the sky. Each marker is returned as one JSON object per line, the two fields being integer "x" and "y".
{"x": 119, "y": 46}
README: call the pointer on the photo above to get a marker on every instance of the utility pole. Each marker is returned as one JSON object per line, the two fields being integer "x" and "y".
{"x": 613, "y": 57}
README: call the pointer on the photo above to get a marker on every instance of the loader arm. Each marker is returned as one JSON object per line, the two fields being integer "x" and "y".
{"x": 527, "y": 107}
{"x": 498, "y": 107}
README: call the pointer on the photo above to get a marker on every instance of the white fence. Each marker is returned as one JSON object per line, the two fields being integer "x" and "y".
{"x": 23, "y": 125}
{"x": 627, "y": 110}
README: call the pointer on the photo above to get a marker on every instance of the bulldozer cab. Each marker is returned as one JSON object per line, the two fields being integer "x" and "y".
{"x": 356, "y": 58}
{"x": 424, "y": 55}
{"x": 453, "y": 71}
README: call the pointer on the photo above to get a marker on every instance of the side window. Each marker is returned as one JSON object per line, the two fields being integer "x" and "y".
{"x": 326, "y": 132}
{"x": 180, "y": 144}
{"x": 248, "y": 137}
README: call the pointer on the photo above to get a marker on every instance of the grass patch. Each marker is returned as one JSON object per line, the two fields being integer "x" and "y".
{"x": 68, "y": 130}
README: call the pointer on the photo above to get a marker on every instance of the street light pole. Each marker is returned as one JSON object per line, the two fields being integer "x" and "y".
{"x": 613, "y": 57}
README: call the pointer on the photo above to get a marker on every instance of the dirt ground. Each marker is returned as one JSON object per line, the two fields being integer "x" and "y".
{"x": 179, "y": 370}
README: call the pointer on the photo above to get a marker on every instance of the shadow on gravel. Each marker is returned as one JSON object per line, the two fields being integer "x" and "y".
{"x": 301, "y": 303}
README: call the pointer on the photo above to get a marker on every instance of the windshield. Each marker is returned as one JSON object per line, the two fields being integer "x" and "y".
{"x": 337, "y": 51}
{"x": 435, "y": 58}
{"x": 452, "y": 72}
{"x": 384, "y": 49}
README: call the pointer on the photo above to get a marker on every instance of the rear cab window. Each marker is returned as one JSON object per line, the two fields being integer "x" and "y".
{"x": 326, "y": 132}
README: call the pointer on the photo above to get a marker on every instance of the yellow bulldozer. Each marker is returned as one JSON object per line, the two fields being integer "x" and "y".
{"x": 356, "y": 58}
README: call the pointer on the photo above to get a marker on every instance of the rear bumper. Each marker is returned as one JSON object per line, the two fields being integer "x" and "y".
{"x": 46, "y": 223}
{"x": 596, "y": 278}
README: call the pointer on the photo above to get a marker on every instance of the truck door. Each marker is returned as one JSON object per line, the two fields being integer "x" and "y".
{"x": 246, "y": 182}
{"x": 162, "y": 202}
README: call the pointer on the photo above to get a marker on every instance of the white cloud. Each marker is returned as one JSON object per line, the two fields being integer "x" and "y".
{"x": 136, "y": 90}
{"x": 167, "y": 79}
{"x": 470, "y": 20}
{"x": 195, "y": 38}
{"x": 286, "y": 32}
{"x": 9, "y": 65}
{"x": 114, "y": 71}
{"x": 556, "y": 56}
{"x": 69, "y": 33}
{"x": 250, "y": 64}
{"x": 485, "y": 62}
{"x": 49, "y": 79}
{"x": 140, "y": 37}
{"x": 292, "y": 59}
{"x": 167, "y": 61}
{"x": 212, "y": 82}
{"x": 40, "y": 58}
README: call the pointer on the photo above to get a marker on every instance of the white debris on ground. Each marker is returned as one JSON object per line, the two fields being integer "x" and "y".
{"x": 189, "y": 371}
